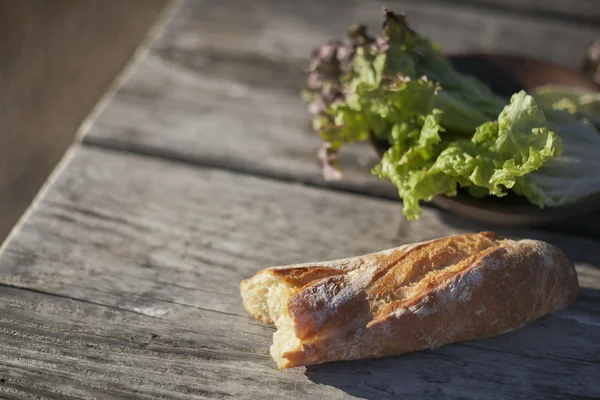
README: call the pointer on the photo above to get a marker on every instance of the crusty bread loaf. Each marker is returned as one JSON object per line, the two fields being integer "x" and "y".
{"x": 409, "y": 298}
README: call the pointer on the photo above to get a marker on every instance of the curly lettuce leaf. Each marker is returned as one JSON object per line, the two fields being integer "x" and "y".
{"x": 498, "y": 155}
{"x": 571, "y": 176}
{"x": 407, "y": 164}
{"x": 465, "y": 101}
{"x": 445, "y": 130}
{"x": 389, "y": 111}
{"x": 392, "y": 83}
{"x": 520, "y": 144}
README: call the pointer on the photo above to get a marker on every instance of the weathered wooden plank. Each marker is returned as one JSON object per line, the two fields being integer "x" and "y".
{"x": 53, "y": 347}
{"x": 574, "y": 10}
{"x": 177, "y": 113}
{"x": 140, "y": 270}
{"x": 290, "y": 30}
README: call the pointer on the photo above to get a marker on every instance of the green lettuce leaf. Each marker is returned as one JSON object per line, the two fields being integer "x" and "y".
{"x": 496, "y": 158}
{"x": 574, "y": 174}
{"x": 445, "y": 130}
{"x": 392, "y": 83}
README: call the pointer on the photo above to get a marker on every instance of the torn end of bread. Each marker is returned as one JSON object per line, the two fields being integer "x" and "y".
{"x": 266, "y": 297}
{"x": 408, "y": 298}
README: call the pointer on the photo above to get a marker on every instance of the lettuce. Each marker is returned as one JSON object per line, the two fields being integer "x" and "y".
{"x": 446, "y": 130}
{"x": 495, "y": 158}
{"x": 572, "y": 176}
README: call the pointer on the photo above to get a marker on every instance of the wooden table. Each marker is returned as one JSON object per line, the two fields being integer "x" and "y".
{"x": 122, "y": 279}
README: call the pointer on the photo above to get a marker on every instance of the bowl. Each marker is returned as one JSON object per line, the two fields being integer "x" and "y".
{"x": 505, "y": 75}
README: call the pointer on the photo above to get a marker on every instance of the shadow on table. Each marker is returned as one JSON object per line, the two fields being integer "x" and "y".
{"x": 588, "y": 301}
{"x": 379, "y": 379}
{"x": 581, "y": 249}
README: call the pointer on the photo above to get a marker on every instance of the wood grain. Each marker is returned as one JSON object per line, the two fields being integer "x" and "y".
{"x": 219, "y": 121}
{"x": 123, "y": 281}
{"x": 221, "y": 85}
{"x": 289, "y": 30}
{"x": 574, "y": 10}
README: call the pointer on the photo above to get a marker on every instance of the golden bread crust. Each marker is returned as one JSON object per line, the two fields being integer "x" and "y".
{"x": 420, "y": 296}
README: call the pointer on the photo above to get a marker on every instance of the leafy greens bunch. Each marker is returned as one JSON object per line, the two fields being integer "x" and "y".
{"x": 443, "y": 129}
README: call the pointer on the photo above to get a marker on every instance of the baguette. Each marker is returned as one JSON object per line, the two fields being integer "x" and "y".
{"x": 409, "y": 298}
